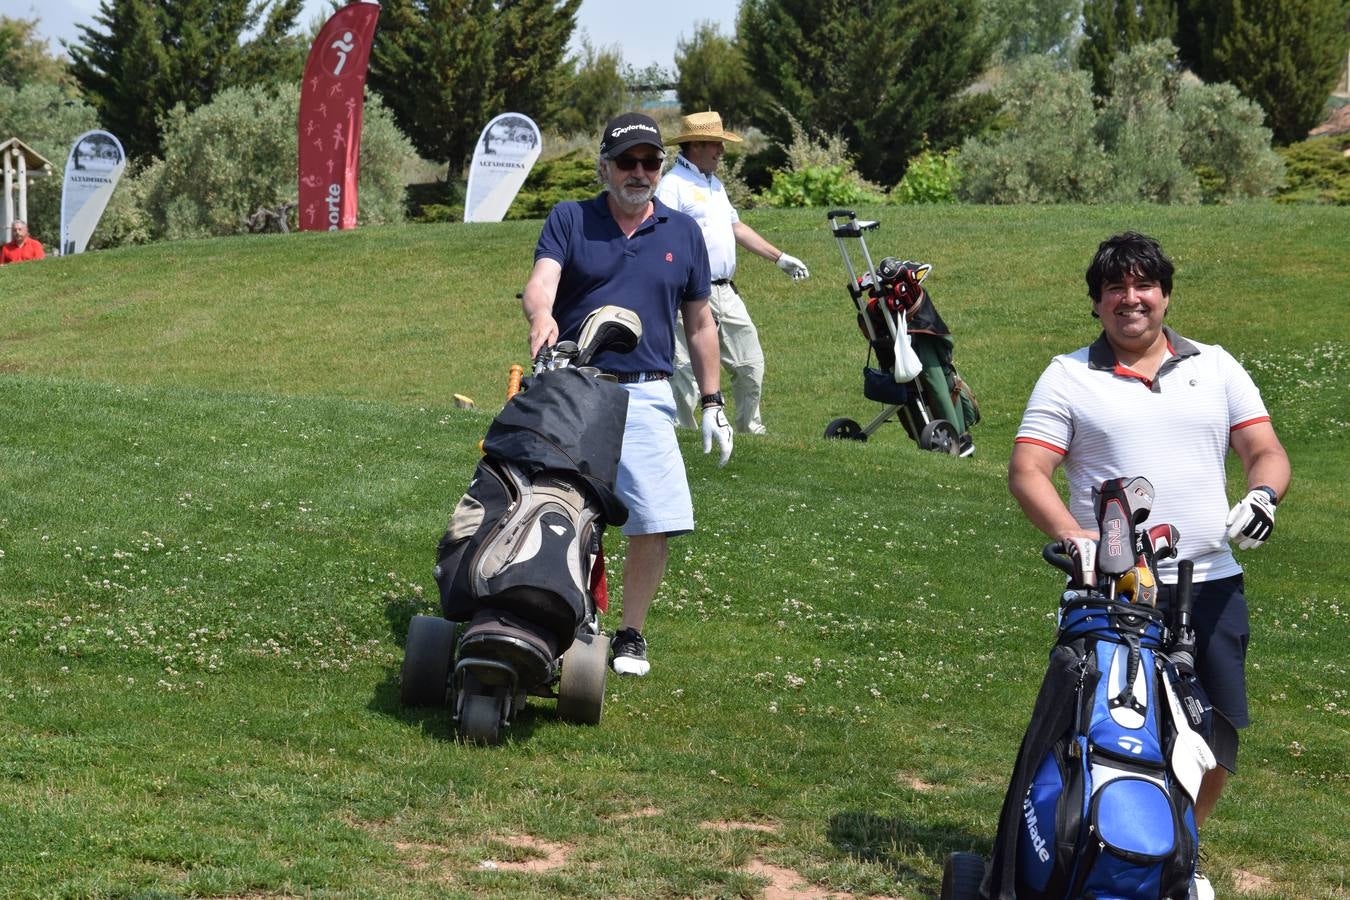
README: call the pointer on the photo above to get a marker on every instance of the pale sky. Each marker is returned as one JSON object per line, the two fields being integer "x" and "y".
{"x": 630, "y": 24}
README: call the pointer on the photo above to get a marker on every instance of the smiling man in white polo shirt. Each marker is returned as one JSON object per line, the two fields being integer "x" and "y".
{"x": 1143, "y": 400}
{"x": 691, "y": 187}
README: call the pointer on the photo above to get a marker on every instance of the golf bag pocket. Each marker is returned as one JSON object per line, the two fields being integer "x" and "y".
{"x": 523, "y": 544}
{"x": 1051, "y": 813}
{"x": 880, "y": 386}
{"x": 1135, "y": 839}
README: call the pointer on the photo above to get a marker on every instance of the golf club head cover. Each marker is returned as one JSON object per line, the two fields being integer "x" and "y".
{"x": 1082, "y": 552}
{"x": 717, "y": 428}
{"x": 794, "y": 267}
{"x": 1162, "y": 541}
{"x": 1120, "y": 504}
{"x": 1252, "y": 520}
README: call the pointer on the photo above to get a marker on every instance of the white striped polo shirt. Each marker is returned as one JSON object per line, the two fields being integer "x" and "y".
{"x": 1109, "y": 422}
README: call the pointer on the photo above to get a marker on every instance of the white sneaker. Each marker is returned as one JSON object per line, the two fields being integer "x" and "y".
{"x": 1201, "y": 889}
{"x": 630, "y": 653}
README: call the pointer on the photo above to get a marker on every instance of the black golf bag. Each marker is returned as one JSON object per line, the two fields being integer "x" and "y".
{"x": 523, "y": 546}
{"x": 521, "y": 565}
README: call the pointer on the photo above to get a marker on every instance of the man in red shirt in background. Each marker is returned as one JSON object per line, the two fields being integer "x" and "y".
{"x": 22, "y": 247}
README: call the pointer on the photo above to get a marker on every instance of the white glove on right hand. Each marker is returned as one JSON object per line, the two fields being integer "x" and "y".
{"x": 1252, "y": 520}
{"x": 795, "y": 268}
{"x": 717, "y": 428}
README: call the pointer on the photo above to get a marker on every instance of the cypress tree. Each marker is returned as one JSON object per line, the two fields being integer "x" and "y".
{"x": 883, "y": 74}
{"x": 1111, "y": 27}
{"x": 445, "y": 67}
{"x": 1286, "y": 55}
{"x": 141, "y": 57}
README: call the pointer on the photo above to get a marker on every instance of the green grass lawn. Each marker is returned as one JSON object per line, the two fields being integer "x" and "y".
{"x": 224, "y": 466}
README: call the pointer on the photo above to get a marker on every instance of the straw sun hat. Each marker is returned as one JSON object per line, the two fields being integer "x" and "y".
{"x": 703, "y": 126}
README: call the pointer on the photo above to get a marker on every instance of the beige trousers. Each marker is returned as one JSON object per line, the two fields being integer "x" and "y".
{"x": 742, "y": 357}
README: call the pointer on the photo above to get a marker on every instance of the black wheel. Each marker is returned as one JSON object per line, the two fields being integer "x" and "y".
{"x": 962, "y": 876}
{"x": 845, "y": 429}
{"x": 480, "y": 721}
{"x": 940, "y": 436}
{"x": 426, "y": 661}
{"x": 581, "y": 684}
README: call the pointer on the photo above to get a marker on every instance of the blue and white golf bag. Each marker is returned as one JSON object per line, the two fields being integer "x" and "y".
{"x": 1101, "y": 803}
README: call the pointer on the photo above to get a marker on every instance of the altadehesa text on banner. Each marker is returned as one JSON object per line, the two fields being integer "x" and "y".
{"x": 506, "y": 151}
{"x": 93, "y": 168}
{"x": 332, "y": 99}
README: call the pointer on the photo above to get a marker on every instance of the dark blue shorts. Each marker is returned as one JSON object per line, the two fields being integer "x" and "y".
{"x": 1221, "y": 635}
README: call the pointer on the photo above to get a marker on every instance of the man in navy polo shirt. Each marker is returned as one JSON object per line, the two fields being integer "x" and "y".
{"x": 1143, "y": 400}
{"x": 625, "y": 248}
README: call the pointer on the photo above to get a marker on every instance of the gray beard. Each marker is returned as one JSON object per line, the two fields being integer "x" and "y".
{"x": 634, "y": 198}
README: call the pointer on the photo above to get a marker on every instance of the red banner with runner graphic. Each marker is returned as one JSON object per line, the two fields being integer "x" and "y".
{"x": 332, "y": 97}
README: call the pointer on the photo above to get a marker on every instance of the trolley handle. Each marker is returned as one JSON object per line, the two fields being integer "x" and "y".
{"x": 841, "y": 214}
{"x": 1055, "y": 555}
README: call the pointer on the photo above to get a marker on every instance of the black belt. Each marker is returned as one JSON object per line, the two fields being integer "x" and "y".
{"x": 638, "y": 377}
{"x": 721, "y": 281}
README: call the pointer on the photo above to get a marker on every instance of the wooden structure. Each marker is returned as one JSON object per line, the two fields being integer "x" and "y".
{"x": 21, "y": 163}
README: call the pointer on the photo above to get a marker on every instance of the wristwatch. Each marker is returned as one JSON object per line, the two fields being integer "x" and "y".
{"x": 713, "y": 399}
{"x": 1270, "y": 492}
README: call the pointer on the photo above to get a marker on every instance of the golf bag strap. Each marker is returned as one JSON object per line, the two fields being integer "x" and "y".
{"x": 1054, "y": 714}
{"x": 1126, "y": 696}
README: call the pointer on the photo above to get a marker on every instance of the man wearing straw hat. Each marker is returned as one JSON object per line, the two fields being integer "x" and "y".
{"x": 691, "y": 187}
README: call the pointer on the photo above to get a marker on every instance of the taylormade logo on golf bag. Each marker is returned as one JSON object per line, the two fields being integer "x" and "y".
{"x": 1034, "y": 830}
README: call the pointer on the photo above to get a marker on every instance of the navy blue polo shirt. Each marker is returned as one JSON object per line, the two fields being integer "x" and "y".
{"x": 664, "y": 264}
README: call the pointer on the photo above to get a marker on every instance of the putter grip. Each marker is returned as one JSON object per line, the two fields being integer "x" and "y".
{"x": 1185, "y": 568}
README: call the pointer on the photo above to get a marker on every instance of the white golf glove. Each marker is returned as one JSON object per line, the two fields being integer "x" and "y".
{"x": 717, "y": 428}
{"x": 1253, "y": 519}
{"x": 795, "y": 268}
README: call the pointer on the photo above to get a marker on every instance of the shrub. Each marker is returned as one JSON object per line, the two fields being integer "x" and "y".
{"x": 1140, "y": 131}
{"x": 1317, "y": 171}
{"x": 1225, "y": 142}
{"x": 225, "y": 159}
{"x": 814, "y": 186}
{"x": 930, "y": 177}
{"x": 1047, "y": 151}
{"x": 819, "y": 172}
{"x": 127, "y": 219}
{"x": 1157, "y": 138}
{"x": 568, "y": 177}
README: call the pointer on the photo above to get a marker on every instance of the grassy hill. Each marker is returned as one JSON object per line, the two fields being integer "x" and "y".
{"x": 224, "y": 466}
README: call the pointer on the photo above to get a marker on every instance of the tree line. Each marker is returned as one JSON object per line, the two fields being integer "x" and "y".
{"x": 892, "y": 79}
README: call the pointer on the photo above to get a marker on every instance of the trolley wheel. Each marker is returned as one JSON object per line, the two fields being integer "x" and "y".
{"x": 845, "y": 429}
{"x": 940, "y": 436}
{"x": 581, "y": 684}
{"x": 480, "y": 721}
{"x": 962, "y": 876}
{"x": 426, "y": 661}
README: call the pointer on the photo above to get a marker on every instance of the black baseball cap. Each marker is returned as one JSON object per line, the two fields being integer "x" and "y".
{"x": 629, "y": 130}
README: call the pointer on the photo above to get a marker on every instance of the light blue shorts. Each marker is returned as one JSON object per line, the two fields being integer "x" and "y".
{"x": 651, "y": 479}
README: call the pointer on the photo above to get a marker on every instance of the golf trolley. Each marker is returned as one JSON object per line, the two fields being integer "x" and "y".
{"x": 899, "y": 392}
{"x": 1101, "y": 800}
{"x": 521, "y": 566}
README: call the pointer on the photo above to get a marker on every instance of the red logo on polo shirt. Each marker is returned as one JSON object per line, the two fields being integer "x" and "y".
{"x": 670, "y": 257}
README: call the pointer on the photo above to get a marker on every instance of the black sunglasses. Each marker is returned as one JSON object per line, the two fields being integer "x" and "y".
{"x": 629, "y": 163}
